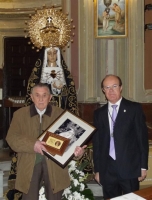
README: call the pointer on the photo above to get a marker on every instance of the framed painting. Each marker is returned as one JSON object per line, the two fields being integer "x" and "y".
{"x": 111, "y": 18}
{"x": 71, "y": 127}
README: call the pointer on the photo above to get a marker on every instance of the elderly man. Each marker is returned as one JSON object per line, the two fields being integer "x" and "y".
{"x": 33, "y": 167}
{"x": 120, "y": 145}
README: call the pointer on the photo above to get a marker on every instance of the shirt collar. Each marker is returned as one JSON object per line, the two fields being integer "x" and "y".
{"x": 117, "y": 103}
{"x": 40, "y": 112}
{"x": 34, "y": 111}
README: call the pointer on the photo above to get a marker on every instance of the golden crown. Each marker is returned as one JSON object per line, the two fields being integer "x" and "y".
{"x": 49, "y": 28}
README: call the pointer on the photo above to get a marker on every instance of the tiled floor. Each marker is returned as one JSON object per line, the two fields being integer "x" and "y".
{"x": 96, "y": 189}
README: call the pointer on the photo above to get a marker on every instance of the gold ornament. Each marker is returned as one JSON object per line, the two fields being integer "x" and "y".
{"x": 49, "y": 28}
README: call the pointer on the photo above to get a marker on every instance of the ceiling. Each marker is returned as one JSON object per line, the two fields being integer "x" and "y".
{"x": 28, "y": 4}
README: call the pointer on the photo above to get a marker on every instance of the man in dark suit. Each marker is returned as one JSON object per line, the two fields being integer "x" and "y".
{"x": 121, "y": 172}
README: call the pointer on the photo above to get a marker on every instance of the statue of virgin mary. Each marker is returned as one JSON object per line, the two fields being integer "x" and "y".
{"x": 51, "y": 69}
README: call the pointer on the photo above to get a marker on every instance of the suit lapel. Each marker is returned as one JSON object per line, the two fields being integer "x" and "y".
{"x": 105, "y": 118}
{"x": 122, "y": 113}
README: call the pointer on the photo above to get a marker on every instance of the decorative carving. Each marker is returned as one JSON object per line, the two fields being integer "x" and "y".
{"x": 148, "y": 7}
{"x": 148, "y": 26}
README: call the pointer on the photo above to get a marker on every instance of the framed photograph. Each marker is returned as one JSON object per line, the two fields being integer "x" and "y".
{"x": 71, "y": 127}
{"x": 111, "y": 18}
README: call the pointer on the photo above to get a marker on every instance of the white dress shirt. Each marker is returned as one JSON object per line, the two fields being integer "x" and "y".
{"x": 110, "y": 109}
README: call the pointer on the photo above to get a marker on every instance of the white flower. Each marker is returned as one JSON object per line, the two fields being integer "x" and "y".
{"x": 77, "y": 171}
{"x": 76, "y": 195}
{"x": 81, "y": 173}
{"x": 72, "y": 166}
{"x": 75, "y": 182}
{"x": 83, "y": 197}
{"x": 77, "y": 178}
{"x": 42, "y": 193}
{"x": 71, "y": 177}
{"x": 70, "y": 197}
{"x": 72, "y": 163}
{"x": 66, "y": 192}
{"x": 82, "y": 186}
{"x": 41, "y": 190}
{"x": 42, "y": 197}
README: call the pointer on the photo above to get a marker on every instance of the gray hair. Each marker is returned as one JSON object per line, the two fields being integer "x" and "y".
{"x": 41, "y": 85}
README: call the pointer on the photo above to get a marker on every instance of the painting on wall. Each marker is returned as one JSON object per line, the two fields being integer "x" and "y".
{"x": 110, "y": 18}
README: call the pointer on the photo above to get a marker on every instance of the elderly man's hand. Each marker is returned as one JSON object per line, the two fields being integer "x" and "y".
{"x": 79, "y": 151}
{"x": 39, "y": 147}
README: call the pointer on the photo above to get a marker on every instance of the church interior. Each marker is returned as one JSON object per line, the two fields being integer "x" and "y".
{"x": 89, "y": 55}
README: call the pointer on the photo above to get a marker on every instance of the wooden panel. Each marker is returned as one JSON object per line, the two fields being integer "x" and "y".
{"x": 1, "y": 109}
{"x": 19, "y": 59}
{"x": 1, "y": 78}
{"x": 86, "y": 111}
{"x": 148, "y": 49}
{"x": 1, "y": 120}
{"x": 148, "y": 180}
{"x": 147, "y": 108}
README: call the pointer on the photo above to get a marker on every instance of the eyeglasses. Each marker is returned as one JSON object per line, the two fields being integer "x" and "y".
{"x": 113, "y": 87}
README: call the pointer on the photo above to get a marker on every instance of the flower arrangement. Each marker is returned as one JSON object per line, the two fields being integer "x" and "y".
{"x": 78, "y": 188}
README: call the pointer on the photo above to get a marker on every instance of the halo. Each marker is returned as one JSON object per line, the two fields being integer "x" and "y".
{"x": 49, "y": 28}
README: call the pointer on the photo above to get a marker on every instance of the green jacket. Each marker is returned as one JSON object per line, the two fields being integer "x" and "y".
{"x": 22, "y": 135}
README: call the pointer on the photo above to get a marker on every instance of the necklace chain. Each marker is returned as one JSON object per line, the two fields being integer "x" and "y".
{"x": 114, "y": 121}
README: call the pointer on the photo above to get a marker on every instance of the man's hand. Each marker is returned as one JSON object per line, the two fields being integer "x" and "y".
{"x": 79, "y": 151}
{"x": 96, "y": 177}
{"x": 39, "y": 146}
{"x": 143, "y": 175}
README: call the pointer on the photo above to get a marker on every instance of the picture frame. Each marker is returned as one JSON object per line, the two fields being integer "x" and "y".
{"x": 55, "y": 144}
{"x": 110, "y": 18}
{"x": 73, "y": 127}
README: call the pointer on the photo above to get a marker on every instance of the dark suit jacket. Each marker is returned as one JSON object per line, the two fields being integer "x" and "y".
{"x": 130, "y": 136}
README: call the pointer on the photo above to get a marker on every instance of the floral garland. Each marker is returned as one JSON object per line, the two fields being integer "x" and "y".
{"x": 78, "y": 188}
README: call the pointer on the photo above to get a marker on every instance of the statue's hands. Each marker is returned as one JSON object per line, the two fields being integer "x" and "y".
{"x": 57, "y": 84}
